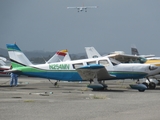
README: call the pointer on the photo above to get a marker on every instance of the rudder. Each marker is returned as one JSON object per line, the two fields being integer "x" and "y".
{"x": 17, "y": 57}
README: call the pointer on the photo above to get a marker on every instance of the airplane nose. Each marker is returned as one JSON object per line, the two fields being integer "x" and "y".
{"x": 153, "y": 70}
{"x": 152, "y": 67}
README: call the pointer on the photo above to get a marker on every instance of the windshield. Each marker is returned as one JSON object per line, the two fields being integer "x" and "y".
{"x": 114, "y": 62}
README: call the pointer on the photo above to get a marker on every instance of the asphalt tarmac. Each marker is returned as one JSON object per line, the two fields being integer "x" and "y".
{"x": 39, "y": 99}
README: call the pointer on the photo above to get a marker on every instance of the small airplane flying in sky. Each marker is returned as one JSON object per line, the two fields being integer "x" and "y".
{"x": 82, "y": 8}
{"x": 95, "y": 70}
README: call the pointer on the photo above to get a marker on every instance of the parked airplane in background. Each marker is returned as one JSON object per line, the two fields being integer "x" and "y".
{"x": 150, "y": 59}
{"x": 134, "y": 51}
{"x": 59, "y": 56}
{"x": 95, "y": 69}
{"x": 3, "y": 67}
{"x": 82, "y": 8}
{"x": 125, "y": 58}
{"x": 118, "y": 55}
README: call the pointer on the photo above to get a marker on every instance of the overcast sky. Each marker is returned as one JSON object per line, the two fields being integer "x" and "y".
{"x": 48, "y": 25}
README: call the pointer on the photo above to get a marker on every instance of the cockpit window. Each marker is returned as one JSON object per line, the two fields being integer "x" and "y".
{"x": 114, "y": 62}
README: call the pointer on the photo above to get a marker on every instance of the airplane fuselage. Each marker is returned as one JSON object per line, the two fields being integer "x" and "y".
{"x": 66, "y": 71}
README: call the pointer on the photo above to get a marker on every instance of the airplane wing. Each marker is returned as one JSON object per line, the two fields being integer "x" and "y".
{"x": 72, "y": 7}
{"x": 84, "y": 7}
{"x": 91, "y": 6}
{"x": 90, "y": 71}
{"x": 147, "y": 56}
{"x": 125, "y": 58}
{"x": 120, "y": 56}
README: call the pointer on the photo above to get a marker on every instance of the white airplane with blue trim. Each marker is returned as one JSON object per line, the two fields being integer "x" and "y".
{"x": 95, "y": 70}
{"x": 125, "y": 58}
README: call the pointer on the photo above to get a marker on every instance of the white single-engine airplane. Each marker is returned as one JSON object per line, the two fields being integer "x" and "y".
{"x": 80, "y": 9}
{"x": 125, "y": 58}
{"x": 94, "y": 69}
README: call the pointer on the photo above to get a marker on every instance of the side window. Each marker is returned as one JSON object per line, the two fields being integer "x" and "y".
{"x": 103, "y": 62}
{"x": 91, "y": 62}
{"x": 77, "y": 65}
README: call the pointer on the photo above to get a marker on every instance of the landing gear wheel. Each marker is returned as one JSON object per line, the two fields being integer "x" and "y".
{"x": 141, "y": 90}
{"x": 158, "y": 82}
{"x": 55, "y": 84}
{"x": 104, "y": 86}
{"x": 146, "y": 84}
{"x": 98, "y": 89}
{"x": 152, "y": 85}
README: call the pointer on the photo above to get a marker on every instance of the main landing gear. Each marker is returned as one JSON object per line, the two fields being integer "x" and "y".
{"x": 150, "y": 85}
{"x": 97, "y": 85}
{"x": 55, "y": 84}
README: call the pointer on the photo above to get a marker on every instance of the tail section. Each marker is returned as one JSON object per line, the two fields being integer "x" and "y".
{"x": 67, "y": 57}
{"x": 134, "y": 51}
{"x": 17, "y": 57}
{"x": 92, "y": 52}
{"x": 2, "y": 61}
{"x": 61, "y": 55}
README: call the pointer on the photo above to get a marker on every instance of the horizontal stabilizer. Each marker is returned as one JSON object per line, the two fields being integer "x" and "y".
{"x": 12, "y": 71}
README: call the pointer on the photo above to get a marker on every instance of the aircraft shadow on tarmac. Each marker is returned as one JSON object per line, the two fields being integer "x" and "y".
{"x": 154, "y": 89}
{"x": 29, "y": 88}
{"x": 17, "y": 87}
{"x": 108, "y": 90}
{"x": 12, "y": 86}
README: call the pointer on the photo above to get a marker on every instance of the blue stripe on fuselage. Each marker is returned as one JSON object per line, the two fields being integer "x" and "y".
{"x": 74, "y": 76}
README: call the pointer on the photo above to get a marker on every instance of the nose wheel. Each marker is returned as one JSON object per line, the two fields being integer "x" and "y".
{"x": 151, "y": 85}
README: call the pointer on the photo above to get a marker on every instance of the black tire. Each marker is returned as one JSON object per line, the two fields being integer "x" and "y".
{"x": 99, "y": 89}
{"x": 152, "y": 85}
{"x": 146, "y": 84}
{"x": 141, "y": 90}
{"x": 158, "y": 82}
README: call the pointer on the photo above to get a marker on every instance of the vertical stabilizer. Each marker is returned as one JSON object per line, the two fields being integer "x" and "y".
{"x": 2, "y": 61}
{"x": 61, "y": 55}
{"x": 134, "y": 51}
{"x": 16, "y": 56}
{"x": 67, "y": 57}
{"x": 92, "y": 52}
